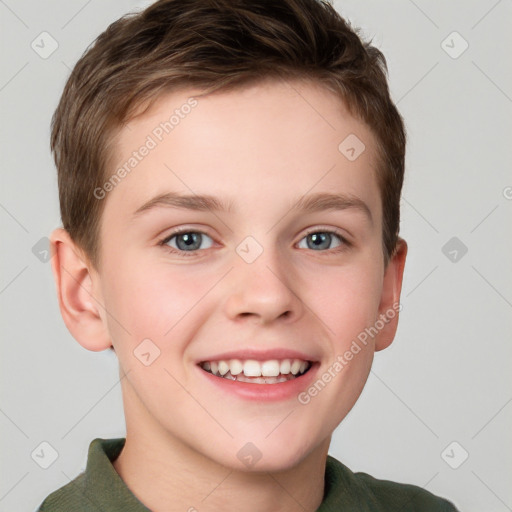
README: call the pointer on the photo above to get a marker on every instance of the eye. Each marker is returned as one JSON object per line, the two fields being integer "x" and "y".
{"x": 187, "y": 241}
{"x": 322, "y": 240}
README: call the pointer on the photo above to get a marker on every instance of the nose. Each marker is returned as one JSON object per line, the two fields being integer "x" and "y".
{"x": 262, "y": 290}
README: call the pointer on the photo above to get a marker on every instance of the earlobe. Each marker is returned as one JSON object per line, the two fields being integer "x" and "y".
{"x": 79, "y": 306}
{"x": 390, "y": 299}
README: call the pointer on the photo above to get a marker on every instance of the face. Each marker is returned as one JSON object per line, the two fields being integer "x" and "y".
{"x": 281, "y": 261}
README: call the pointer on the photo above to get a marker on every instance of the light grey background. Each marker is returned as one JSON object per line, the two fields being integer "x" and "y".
{"x": 446, "y": 377}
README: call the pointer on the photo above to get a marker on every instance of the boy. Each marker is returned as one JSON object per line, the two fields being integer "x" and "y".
{"x": 230, "y": 176}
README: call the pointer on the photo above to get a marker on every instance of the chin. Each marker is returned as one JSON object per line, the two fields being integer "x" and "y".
{"x": 278, "y": 464}
{"x": 265, "y": 457}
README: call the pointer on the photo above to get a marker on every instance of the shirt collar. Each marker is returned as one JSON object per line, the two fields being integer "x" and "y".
{"x": 103, "y": 481}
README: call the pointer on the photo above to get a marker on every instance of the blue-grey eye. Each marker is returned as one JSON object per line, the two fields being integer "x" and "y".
{"x": 320, "y": 240}
{"x": 188, "y": 241}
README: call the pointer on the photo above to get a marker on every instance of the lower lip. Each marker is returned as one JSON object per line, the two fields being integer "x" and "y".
{"x": 263, "y": 392}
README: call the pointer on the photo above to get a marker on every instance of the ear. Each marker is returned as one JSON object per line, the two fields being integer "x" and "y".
{"x": 81, "y": 304}
{"x": 390, "y": 298}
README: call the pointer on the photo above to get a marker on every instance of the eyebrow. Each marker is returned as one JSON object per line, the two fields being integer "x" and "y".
{"x": 306, "y": 204}
{"x": 186, "y": 202}
{"x": 325, "y": 201}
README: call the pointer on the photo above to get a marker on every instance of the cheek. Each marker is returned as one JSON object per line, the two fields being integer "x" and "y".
{"x": 346, "y": 300}
{"x": 140, "y": 301}
{"x": 155, "y": 301}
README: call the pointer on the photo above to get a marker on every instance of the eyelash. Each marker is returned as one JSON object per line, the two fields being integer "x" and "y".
{"x": 344, "y": 242}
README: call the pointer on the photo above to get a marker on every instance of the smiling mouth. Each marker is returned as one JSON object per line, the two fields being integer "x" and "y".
{"x": 274, "y": 371}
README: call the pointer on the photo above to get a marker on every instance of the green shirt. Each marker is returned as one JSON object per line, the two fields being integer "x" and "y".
{"x": 101, "y": 489}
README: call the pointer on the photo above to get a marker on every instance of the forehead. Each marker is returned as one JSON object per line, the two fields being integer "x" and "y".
{"x": 252, "y": 145}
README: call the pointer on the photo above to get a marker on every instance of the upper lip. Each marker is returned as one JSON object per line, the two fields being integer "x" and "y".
{"x": 259, "y": 355}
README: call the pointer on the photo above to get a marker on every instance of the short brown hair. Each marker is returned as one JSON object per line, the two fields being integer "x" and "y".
{"x": 214, "y": 45}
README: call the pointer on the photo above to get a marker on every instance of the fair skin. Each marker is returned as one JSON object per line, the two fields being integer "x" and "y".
{"x": 261, "y": 148}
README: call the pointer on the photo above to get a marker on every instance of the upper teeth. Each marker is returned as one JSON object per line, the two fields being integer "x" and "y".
{"x": 253, "y": 368}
